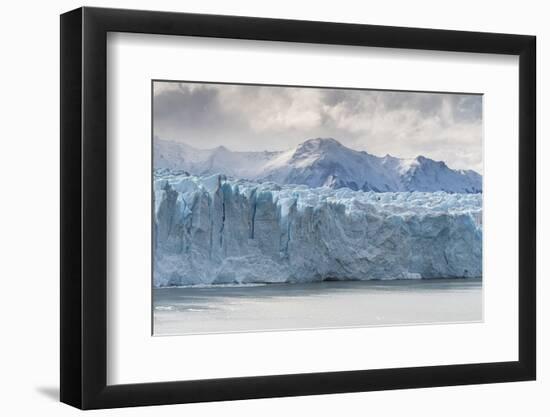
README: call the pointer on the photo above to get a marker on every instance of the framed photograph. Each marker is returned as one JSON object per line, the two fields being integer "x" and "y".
{"x": 258, "y": 208}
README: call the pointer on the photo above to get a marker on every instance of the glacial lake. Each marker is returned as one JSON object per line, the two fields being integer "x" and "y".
{"x": 224, "y": 309}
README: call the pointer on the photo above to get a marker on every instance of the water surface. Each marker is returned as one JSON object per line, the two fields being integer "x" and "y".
{"x": 224, "y": 309}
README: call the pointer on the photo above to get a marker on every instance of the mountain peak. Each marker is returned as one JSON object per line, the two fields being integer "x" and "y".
{"x": 321, "y": 162}
{"x": 423, "y": 160}
{"x": 319, "y": 143}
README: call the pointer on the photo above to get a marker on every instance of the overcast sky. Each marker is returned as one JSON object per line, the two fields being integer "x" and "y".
{"x": 444, "y": 127}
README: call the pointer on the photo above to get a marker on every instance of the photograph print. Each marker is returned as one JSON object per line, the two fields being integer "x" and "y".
{"x": 281, "y": 208}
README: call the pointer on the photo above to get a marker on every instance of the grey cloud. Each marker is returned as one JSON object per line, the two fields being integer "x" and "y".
{"x": 352, "y": 99}
{"x": 190, "y": 111}
{"x": 426, "y": 104}
{"x": 351, "y": 102}
{"x": 247, "y": 117}
{"x": 468, "y": 108}
{"x": 185, "y": 105}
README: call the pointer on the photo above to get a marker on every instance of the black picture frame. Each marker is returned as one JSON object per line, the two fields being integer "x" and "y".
{"x": 84, "y": 207}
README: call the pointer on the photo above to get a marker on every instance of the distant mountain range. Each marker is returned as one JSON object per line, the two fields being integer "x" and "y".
{"x": 320, "y": 163}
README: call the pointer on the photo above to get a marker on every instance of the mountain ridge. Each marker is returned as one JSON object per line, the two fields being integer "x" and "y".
{"x": 320, "y": 162}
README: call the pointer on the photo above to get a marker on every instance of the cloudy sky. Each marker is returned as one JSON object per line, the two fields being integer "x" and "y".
{"x": 444, "y": 127}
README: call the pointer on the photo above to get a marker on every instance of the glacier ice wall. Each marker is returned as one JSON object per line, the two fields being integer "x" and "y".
{"x": 213, "y": 230}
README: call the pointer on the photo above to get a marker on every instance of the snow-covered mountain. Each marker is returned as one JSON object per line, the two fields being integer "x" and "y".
{"x": 320, "y": 163}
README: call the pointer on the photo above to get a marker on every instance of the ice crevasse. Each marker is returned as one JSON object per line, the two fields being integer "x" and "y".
{"x": 216, "y": 230}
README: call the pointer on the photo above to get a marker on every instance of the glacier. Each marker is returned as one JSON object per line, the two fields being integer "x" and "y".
{"x": 213, "y": 229}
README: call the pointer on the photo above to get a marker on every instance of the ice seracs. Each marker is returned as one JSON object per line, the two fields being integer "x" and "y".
{"x": 214, "y": 230}
{"x": 320, "y": 162}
